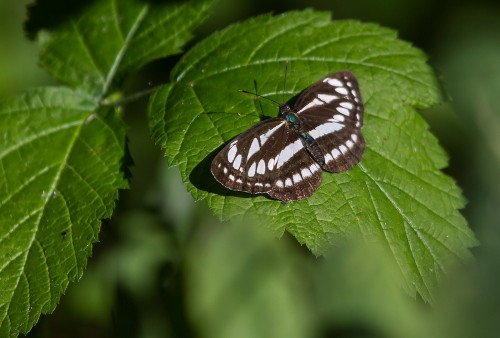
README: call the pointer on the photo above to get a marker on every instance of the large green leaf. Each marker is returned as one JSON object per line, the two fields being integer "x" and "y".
{"x": 96, "y": 50}
{"x": 61, "y": 150}
{"x": 397, "y": 195}
{"x": 60, "y": 174}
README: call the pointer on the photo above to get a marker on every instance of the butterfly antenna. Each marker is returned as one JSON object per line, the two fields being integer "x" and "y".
{"x": 258, "y": 95}
{"x": 284, "y": 82}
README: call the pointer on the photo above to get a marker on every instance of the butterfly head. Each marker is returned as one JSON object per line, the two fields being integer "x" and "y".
{"x": 285, "y": 110}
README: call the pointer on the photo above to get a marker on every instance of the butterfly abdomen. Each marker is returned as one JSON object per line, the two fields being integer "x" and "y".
{"x": 313, "y": 148}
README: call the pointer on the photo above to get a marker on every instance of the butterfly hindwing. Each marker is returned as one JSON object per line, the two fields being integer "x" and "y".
{"x": 331, "y": 112}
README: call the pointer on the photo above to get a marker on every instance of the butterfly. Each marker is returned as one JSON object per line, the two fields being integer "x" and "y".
{"x": 283, "y": 157}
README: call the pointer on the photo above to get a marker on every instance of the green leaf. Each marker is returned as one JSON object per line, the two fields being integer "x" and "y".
{"x": 397, "y": 195}
{"x": 60, "y": 174}
{"x": 61, "y": 150}
{"x": 96, "y": 50}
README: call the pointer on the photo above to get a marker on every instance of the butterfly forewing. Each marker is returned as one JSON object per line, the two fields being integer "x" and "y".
{"x": 243, "y": 164}
{"x": 331, "y": 112}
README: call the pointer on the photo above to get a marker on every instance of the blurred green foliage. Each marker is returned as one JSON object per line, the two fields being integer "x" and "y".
{"x": 139, "y": 282}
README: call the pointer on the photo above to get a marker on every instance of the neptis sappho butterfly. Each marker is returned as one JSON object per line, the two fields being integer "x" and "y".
{"x": 283, "y": 156}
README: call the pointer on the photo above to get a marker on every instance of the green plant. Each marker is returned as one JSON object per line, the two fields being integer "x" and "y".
{"x": 62, "y": 148}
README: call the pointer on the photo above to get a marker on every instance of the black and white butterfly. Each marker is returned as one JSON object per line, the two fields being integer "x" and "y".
{"x": 283, "y": 156}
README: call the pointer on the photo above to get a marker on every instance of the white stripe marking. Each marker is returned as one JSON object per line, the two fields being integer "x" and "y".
{"x": 232, "y": 153}
{"x": 288, "y": 182}
{"x": 311, "y": 104}
{"x": 341, "y": 90}
{"x": 279, "y": 183}
{"x": 253, "y": 148}
{"x": 327, "y": 98}
{"x": 289, "y": 151}
{"x": 325, "y": 129}
{"x": 258, "y": 184}
{"x": 264, "y": 137}
{"x": 354, "y": 93}
{"x": 231, "y": 177}
{"x": 335, "y": 153}
{"x": 237, "y": 162}
{"x": 268, "y": 185}
{"x": 328, "y": 158}
{"x": 354, "y": 137}
{"x": 251, "y": 171}
{"x": 261, "y": 168}
{"x": 343, "y": 149}
{"x": 349, "y": 144}
{"x": 239, "y": 181}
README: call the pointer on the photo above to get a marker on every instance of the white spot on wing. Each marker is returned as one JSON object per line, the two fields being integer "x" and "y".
{"x": 349, "y": 144}
{"x": 288, "y": 152}
{"x": 237, "y": 162}
{"x": 325, "y": 129}
{"x": 328, "y": 158}
{"x": 339, "y": 118}
{"x": 343, "y": 149}
{"x": 305, "y": 172}
{"x": 327, "y": 98}
{"x": 279, "y": 183}
{"x": 347, "y": 105}
{"x": 225, "y": 170}
{"x": 231, "y": 177}
{"x": 239, "y": 181}
{"x": 335, "y": 153}
{"x": 254, "y": 147}
{"x": 270, "y": 164}
{"x": 341, "y": 90}
{"x": 354, "y": 137}
{"x": 261, "y": 168}
{"x": 344, "y": 111}
{"x": 251, "y": 171}
{"x": 314, "y": 167}
{"x": 297, "y": 178}
{"x": 288, "y": 182}
{"x": 334, "y": 82}
{"x": 258, "y": 184}
{"x": 232, "y": 153}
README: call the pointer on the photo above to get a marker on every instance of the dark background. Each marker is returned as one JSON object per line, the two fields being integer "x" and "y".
{"x": 134, "y": 286}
